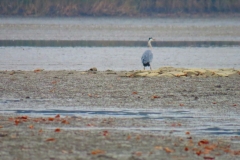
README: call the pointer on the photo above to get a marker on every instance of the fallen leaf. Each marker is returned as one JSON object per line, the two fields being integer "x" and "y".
{"x": 154, "y": 96}
{"x": 24, "y": 117}
{"x": 227, "y": 151}
{"x": 168, "y": 150}
{"x": 57, "y": 116}
{"x": 203, "y": 142}
{"x": 138, "y": 154}
{"x": 51, "y": 119}
{"x": 50, "y": 139}
{"x": 210, "y": 147}
{"x": 105, "y": 133}
{"x": 1, "y": 126}
{"x": 236, "y": 152}
{"x": 128, "y": 137}
{"x": 38, "y": 70}
{"x": 186, "y": 149}
{"x": 17, "y": 121}
{"x": 31, "y": 126}
{"x": 158, "y": 147}
{"x": 40, "y": 131}
{"x": 57, "y": 130}
{"x": 187, "y": 133}
{"x": 134, "y": 93}
{"x": 198, "y": 152}
{"x": 181, "y": 104}
{"x": 98, "y": 151}
{"x": 214, "y": 102}
{"x": 234, "y": 105}
{"x": 65, "y": 122}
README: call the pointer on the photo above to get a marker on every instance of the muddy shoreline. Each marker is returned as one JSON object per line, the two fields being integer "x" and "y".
{"x": 37, "y": 138}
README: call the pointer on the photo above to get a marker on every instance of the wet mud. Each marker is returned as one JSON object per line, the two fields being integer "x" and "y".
{"x": 102, "y": 115}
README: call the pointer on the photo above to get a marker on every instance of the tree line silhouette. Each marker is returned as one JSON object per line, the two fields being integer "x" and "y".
{"x": 116, "y": 7}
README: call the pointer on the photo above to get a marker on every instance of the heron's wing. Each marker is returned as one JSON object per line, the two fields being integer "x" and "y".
{"x": 147, "y": 56}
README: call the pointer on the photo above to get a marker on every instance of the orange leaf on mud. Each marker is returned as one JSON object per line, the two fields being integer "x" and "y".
{"x": 234, "y": 105}
{"x": 40, "y": 131}
{"x": 236, "y": 152}
{"x": 134, "y": 92}
{"x": 38, "y": 70}
{"x": 98, "y": 151}
{"x": 65, "y": 121}
{"x": 155, "y": 96}
{"x": 206, "y": 151}
{"x": 168, "y": 150}
{"x": 51, "y": 119}
{"x": 186, "y": 149}
{"x": 138, "y": 154}
{"x": 181, "y": 104}
{"x": 57, "y": 116}
{"x": 199, "y": 152}
{"x": 187, "y": 133}
{"x": 31, "y": 126}
{"x": 1, "y": 126}
{"x": 105, "y": 133}
{"x": 128, "y": 137}
{"x": 24, "y": 117}
{"x": 17, "y": 121}
{"x": 210, "y": 147}
{"x": 203, "y": 142}
{"x": 158, "y": 147}
{"x": 57, "y": 130}
{"x": 50, "y": 139}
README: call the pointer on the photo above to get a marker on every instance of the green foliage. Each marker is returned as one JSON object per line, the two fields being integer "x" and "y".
{"x": 115, "y": 7}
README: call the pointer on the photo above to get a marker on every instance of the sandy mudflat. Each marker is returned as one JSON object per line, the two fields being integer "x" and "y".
{"x": 33, "y": 137}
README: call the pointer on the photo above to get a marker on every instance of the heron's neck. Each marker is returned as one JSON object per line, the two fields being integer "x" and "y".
{"x": 149, "y": 44}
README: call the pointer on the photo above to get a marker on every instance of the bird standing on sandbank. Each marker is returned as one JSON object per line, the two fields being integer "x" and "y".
{"x": 147, "y": 55}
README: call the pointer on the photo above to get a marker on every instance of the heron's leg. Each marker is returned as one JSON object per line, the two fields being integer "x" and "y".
{"x": 150, "y": 67}
{"x": 143, "y": 68}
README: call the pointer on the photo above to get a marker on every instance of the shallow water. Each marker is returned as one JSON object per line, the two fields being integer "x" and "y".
{"x": 117, "y": 43}
{"x": 116, "y": 58}
{"x": 198, "y": 123}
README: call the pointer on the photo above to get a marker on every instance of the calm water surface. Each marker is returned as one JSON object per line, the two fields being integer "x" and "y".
{"x": 117, "y": 43}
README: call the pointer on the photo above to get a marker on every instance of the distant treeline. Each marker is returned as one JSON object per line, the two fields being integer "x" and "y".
{"x": 116, "y": 7}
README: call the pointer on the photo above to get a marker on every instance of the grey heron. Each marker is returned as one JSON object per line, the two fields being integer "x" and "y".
{"x": 147, "y": 55}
